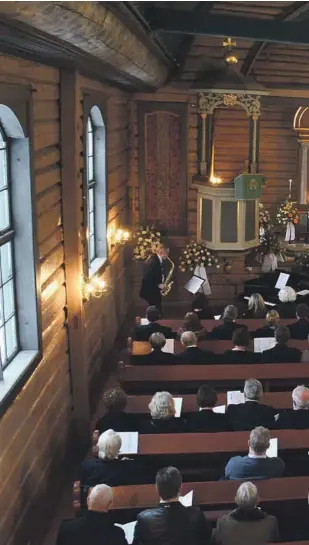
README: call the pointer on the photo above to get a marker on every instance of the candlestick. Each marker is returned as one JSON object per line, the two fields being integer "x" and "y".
{"x": 290, "y": 188}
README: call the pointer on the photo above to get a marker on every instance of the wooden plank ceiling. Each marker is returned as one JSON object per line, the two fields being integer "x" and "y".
{"x": 271, "y": 64}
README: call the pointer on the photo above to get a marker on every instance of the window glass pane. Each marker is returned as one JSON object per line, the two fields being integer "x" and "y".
{"x": 90, "y": 169}
{"x": 91, "y": 249}
{"x": 4, "y": 210}
{"x": 90, "y": 144}
{"x": 90, "y": 200}
{"x": 1, "y": 308}
{"x": 5, "y": 262}
{"x": 8, "y": 298}
{"x": 2, "y": 346}
{"x": 3, "y": 168}
{"x": 10, "y": 337}
{"x": 91, "y": 224}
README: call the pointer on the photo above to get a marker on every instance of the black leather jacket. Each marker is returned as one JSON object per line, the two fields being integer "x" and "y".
{"x": 172, "y": 524}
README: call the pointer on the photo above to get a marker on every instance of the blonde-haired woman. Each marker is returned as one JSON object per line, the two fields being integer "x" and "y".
{"x": 256, "y": 307}
{"x": 163, "y": 419}
{"x": 272, "y": 322}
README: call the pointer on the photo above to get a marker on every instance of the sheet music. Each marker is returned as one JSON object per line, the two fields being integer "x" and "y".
{"x": 128, "y": 530}
{"x": 282, "y": 280}
{"x": 194, "y": 284}
{"x": 264, "y": 343}
{"x": 169, "y": 346}
{"x": 187, "y": 500}
{"x": 235, "y": 397}
{"x": 219, "y": 409}
{"x": 302, "y": 292}
{"x": 178, "y": 406}
{"x": 144, "y": 321}
{"x": 201, "y": 273}
{"x": 272, "y": 451}
{"x": 129, "y": 442}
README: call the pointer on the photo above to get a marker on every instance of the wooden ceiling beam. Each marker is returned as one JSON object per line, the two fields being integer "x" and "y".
{"x": 291, "y": 13}
{"x": 262, "y": 30}
{"x": 201, "y": 9}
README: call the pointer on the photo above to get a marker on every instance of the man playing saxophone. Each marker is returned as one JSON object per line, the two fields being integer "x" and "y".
{"x": 153, "y": 281}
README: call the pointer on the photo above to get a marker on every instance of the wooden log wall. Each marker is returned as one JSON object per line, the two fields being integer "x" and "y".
{"x": 35, "y": 430}
{"x": 278, "y": 162}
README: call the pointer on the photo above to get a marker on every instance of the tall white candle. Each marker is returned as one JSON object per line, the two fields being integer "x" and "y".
{"x": 290, "y": 188}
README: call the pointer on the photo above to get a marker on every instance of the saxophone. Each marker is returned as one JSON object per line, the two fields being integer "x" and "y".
{"x": 168, "y": 282}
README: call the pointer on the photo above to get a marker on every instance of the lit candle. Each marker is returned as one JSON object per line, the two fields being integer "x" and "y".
{"x": 290, "y": 188}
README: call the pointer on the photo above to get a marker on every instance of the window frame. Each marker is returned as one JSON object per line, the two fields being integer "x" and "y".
{"x": 18, "y": 98}
{"x": 91, "y": 100}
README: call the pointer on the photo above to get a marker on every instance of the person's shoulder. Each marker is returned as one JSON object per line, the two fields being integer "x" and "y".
{"x": 149, "y": 513}
{"x": 69, "y": 527}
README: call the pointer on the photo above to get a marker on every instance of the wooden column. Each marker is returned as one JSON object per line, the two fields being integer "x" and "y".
{"x": 303, "y": 189}
{"x": 71, "y": 208}
{"x": 203, "y": 164}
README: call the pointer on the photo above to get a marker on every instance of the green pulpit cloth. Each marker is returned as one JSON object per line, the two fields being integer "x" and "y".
{"x": 248, "y": 186}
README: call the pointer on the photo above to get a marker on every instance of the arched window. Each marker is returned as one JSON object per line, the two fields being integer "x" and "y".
{"x": 96, "y": 189}
{"x": 8, "y": 326}
{"x": 19, "y": 333}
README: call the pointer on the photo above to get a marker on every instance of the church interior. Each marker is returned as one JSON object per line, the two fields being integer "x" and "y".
{"x": 154, "y": 242}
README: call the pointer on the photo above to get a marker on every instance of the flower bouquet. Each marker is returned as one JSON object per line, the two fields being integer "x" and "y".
{"x": 197, "y": 255}
{"x": 264, "y": 219}
{"x": 146, "y": 238}
{"x": 287, "y": 215}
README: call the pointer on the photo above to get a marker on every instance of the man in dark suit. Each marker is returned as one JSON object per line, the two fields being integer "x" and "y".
{"x": 205, "y": 419}
{"x": 300, "y": 329}
{"x": 298, "y": 417}
{"x": 256, "y": 465}
{"x": 143, "y": 332}
{"x": 171, "y": 522}
{"x": 225, "y": 331}
{"x": 156, "y": 357}
{"x": 240, "y": 353}
{"x": 281, "y": 352}
{"x": 252, "y": 413}
{"x": 192, "y": 354}
{"x": 153, "y": 277}
{"x": 95, "y": 527}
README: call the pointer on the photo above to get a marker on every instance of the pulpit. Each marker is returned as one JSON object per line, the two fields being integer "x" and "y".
{"x": 225, "y": 220}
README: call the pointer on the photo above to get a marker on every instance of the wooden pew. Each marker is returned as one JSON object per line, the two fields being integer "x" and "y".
{"x": 137, "y": 348}
{"x": 177, "y": 378}
{"x": 216, "y": 493}
{"x": 210, "y": 324}
{"x": 139, "y": 404}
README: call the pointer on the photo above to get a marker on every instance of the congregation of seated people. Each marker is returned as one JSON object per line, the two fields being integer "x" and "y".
{"x": 170, "y": 522}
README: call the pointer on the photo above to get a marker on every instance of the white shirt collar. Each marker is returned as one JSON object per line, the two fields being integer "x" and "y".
{"x": 160, "y": 258}
{"x": 257, "y": 456}
{"x": 192, "y": 346}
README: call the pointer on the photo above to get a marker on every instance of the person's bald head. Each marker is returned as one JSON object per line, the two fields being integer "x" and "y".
{"x": 100, "y": 498}
{"x": 188, "y": 338}
{"x": 300, "y": 396}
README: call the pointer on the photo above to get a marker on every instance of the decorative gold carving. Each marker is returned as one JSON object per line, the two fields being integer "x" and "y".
{"x": 208, "y": 102}
{"x": 229, "y": 100}
{"x": 252, "y": 184}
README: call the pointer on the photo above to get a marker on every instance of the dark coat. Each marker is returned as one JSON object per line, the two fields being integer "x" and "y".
{"x": 163, "y": 425}
{"x": 286, "y": 310}
{"x": 196, "y": 356}
{"x": 246, "y": 526}
{"x": 172, "y": 524}
{"x": 264, "y": 332}
{"x": 113, "y": 472}
{"x": 281, "y": 354}
{"x": 224, "y": 332}
{"x": 293, "y": 420}
{"x": 152, "y": 277}
{"x": 117, "y": 421}
{"x": 206, "y": 421}
{"x": 143, "y": 332}
{"x": 248, "y": 469}
{"x": 92, "y": 528}
{"x": 249, "y": 415}
{"x": 300, "y": 329}
{"x": 156, "y": 357}
{"x": 240, "y": 356}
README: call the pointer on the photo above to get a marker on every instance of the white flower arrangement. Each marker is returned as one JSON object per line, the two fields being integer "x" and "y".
{"x": 146, "y": 238}
{"x": 197, "y": 254}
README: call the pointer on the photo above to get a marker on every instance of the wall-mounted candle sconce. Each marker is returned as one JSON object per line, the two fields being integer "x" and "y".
{"x": 94, "y": 287}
